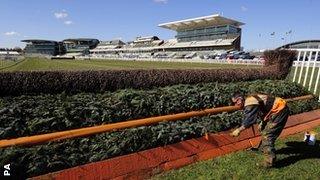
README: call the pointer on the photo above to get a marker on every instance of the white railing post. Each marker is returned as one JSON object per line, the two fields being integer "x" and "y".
{"x": 296, "y": 67}
{"x": 302, "y": 66}
{"x": 317, "y": 81}
{"x": 313, "y": 70}
{"x": 307, "y": 71}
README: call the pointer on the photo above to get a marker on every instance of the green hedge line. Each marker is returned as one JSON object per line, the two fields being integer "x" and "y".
{"x": 54, "y": 156}
{"x": 51, "y": 82}
{"x": 19, "y": 83}
{"x": 30, "y": 115}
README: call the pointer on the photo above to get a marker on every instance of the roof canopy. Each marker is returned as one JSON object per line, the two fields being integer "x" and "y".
{"x": 200, "y": 22}
{"x": 38, "y": 41}
{"x": 80, "y": 40}
{"x": 304, "y": 42}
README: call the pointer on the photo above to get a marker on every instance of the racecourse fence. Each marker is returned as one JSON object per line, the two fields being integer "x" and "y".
{"x": 307, "y": 69}
{"x": 192, "y": 60}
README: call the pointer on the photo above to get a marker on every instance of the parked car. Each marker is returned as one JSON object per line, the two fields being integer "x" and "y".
{"x": 221, "y": 56}
{"x": 245, "y": 56}
{"x": 202, "y": 56}
{"x": 260, "y": 58}
{"x": 236, "y": 56}
{"x": 211, "y": 56}
{"x": 230, "y": 56}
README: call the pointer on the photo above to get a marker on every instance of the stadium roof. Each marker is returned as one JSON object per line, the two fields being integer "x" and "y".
{"x": 212, "y": 20}
{"x": 38, "y": 41}
{"x": 81, "y": 39}
{"x": 304, "y": 42}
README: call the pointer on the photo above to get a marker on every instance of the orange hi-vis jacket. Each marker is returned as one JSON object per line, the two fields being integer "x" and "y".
{"x": 270, "y": 108}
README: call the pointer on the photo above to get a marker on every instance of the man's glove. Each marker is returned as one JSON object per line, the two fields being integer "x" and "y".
{"x": 236, "y": 132}
{"x": 262, "y": 125}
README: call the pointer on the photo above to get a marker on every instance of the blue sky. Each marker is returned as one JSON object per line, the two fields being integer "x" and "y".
{"x": 127, "y": 19}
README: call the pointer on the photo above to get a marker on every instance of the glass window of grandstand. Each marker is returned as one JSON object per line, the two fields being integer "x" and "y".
{"x": 210, "y": 33}
{"x": 233, "y": 29}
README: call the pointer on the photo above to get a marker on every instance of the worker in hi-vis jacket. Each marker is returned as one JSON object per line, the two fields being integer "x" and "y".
{"x": 273, "y": 112}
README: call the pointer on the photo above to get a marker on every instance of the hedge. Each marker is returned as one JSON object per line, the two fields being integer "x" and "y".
{"x": 30, "y": 115}
{"x": 281, "y": 61}
{"x": 18, "y": 83}
{"x": 54, "y": 156}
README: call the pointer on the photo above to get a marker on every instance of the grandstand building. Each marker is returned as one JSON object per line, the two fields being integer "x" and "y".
{"x": 140, "y": 47}
{"x": 36, "y": 47}
{"x": 80, "y": 46}
{"x": 107, "y": 47}
{"x": 206, "y": 33}
{"x": 149, "y": 41}
{"x": 195, "y": 37}
{"x": 114, "y": 44}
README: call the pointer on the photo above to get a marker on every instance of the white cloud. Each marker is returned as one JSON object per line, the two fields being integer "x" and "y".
{"x": 11, "y": 33}
{"x": 244, "y": 9}
{"x": 68, "y": 22}
{"x": 161, "y": 1}
{"x": 61, "y": 15}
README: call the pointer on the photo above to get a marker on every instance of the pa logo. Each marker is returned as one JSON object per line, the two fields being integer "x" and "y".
{"x": 6, "y": 171}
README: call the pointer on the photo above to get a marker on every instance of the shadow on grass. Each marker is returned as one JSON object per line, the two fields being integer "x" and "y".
{"x": 297, "y": 151}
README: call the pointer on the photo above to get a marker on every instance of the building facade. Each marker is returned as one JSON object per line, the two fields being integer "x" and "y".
{"x": 199, "y": 36}
{"x": 80, "y": 45}
{"x": 43, "y": 47}
{"x": 206, "y": 33}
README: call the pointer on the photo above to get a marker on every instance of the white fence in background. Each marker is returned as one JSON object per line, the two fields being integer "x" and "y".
{"x": 307, "y": 69}
{"x": 192, "y": 60}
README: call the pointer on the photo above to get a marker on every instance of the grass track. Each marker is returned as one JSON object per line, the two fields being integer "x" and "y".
{"x": 36, "y": 64}
{"x": 295, "y": 161}
{"x": 8, "y": 63}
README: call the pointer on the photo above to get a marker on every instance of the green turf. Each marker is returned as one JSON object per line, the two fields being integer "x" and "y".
{"x": 7, "y": 63}
{"x": 295, "y": 161}
{"x": 35, "y": 64}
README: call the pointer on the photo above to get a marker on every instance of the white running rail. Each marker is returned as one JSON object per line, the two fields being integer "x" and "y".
{"x": 193, "y": 60}
{"x": 307, "y": 69}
